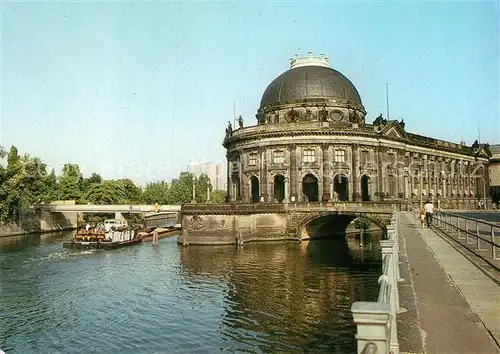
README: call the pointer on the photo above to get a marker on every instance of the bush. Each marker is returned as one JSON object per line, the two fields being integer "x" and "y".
{"x": 362, "y": 224}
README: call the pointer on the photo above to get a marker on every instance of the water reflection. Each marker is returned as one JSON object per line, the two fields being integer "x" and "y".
{"x": 296, "y": 295}
{"x": 276, "y": 297}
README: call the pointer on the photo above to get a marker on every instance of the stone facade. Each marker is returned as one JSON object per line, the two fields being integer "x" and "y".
{"x": 313, "y": 144}
{"x": 494, "y": 174}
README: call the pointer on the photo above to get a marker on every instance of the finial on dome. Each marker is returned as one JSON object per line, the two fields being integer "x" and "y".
{"x": 309, "y": 60}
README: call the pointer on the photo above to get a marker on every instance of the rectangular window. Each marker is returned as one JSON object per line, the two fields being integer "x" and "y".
{"x": 252, "y": 159}
{"x": 278, "y": 156}
{"x": 309, "y": 155}
{"x": 364, "y": 156}
{"x": 339, "y": 156}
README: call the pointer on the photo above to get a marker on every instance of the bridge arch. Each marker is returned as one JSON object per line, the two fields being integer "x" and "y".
{"x": 336, "y": 222}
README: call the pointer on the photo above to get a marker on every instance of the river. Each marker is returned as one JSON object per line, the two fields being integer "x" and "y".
{"x": 274, "y": 297}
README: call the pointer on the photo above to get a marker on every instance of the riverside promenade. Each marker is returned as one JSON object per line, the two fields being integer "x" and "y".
{"x": 451, "y": 305}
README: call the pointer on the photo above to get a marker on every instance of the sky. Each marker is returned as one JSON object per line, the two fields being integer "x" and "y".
{"x": 140, "y": 90}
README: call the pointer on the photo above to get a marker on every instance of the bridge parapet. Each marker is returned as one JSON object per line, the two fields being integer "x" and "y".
{"x": 243, "y": 208}
{"x": 117, "y": 208}
{"x": 376, "y": 321}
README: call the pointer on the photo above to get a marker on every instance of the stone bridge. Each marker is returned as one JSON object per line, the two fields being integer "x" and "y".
{"x": 239, "y": 223}
{"x": 60, "y": 215}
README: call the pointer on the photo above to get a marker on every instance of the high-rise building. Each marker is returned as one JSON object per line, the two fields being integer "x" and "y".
{"x": 215, "y": 171}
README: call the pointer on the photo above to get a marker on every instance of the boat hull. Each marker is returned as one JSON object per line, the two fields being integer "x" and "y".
{"x": 162, "y": 233}
{"x": 100, "y": 245}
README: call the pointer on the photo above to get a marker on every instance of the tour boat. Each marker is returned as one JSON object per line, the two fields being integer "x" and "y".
{"x": 99, "y": 239}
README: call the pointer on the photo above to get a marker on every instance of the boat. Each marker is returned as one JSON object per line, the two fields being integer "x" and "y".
{"x": 102, "y": 239}
{"x": 162, "y": 232}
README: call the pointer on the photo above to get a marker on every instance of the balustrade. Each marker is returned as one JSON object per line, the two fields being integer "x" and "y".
{"x": 376, "y": 321}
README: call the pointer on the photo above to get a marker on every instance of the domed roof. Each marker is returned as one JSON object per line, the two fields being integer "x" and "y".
{"x": 309, "y": 79}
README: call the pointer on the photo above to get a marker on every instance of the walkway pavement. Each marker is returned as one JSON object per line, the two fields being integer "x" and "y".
{"x": 452, "y": 307}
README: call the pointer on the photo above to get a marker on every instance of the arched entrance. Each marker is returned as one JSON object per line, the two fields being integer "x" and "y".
{"x": 255, "y": 190}
{"x": 279, "y": 188}
{"x": 365, "y": 191}
{"x": 310, "y": 188}
{"x": 341, "y": 187}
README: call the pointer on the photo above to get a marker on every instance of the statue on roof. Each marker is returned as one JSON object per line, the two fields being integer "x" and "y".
{"x": 229, "y": 129}
{"x": 240, "y": 121}
{"x": 380, "y": 120}
{"x": 402, "y": 123}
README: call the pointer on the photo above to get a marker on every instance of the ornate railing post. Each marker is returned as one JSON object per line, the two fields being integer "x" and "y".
{"x": 371, "y": 320}
{"x": 376, "y": 321}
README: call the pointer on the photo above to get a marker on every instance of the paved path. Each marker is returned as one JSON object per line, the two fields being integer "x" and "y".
{"x": 455, "y": 306}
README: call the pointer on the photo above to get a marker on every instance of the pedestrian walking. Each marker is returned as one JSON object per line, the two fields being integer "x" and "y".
{"x": 429, "y": 212}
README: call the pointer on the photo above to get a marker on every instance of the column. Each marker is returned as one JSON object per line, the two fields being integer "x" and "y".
{"x": 263, "y": 176}
{"x": 326, "y": 172}
{"x": 287, "y": 199}
{"x": 228, "y": 179}
{"x": 293, "y": 173}
{"x": 356, "y": 195}
{"x": 380, "y": 173}
{"x": 242, "y": 196}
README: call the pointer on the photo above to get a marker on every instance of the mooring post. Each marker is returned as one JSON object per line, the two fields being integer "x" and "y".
{"x": 155, "y": 237}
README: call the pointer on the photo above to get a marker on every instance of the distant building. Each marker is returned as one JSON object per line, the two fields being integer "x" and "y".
{"x": 216, "y": 172}
{"x": 494, "y": 172}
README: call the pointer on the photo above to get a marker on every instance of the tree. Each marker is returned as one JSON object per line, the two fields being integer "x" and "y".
{"x": 50, "y": 188}
{"x": 181, "y": 191}
{"x": 202, "y": 184}
{"x": 218, "y": 196}
{"x": 69, "y": 182}
{"x": 156, "y": 192}
{"x": 106, "y": 192}
{"x": 362, "y": 224}
{"x": 87, "y": 183}
{"x": 133, "y": 193}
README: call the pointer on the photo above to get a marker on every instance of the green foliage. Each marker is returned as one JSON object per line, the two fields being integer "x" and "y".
{"x": 156, "y": 192}
{"x": 202, "y": 185}
{"x": 133, "y": 193}
{"x": 181, "y": 190}
{"x": 24, "y": 181}
{"x": 69, "y": 182}
{"x": 362, "y": 223}
{"x": 106, "y": 192}
{"x": 218, "y": 196}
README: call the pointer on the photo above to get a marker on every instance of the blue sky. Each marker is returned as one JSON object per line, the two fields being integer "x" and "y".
{"x": 139, "y": 90}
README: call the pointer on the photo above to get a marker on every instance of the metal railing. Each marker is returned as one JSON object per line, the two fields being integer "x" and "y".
{"x": 470, "y": 230}
{"x": 376, "y": 321}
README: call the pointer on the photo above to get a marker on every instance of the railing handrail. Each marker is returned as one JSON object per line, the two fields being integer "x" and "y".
{"x": 470, "y": 219}
{"x": 492, "y": 242}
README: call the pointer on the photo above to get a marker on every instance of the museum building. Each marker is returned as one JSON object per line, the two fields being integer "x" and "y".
{"x": 312, "y": 143}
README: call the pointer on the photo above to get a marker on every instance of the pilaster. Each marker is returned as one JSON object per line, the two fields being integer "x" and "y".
{"x": 293, "y": 172}
{"x": 325, "y": 149}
